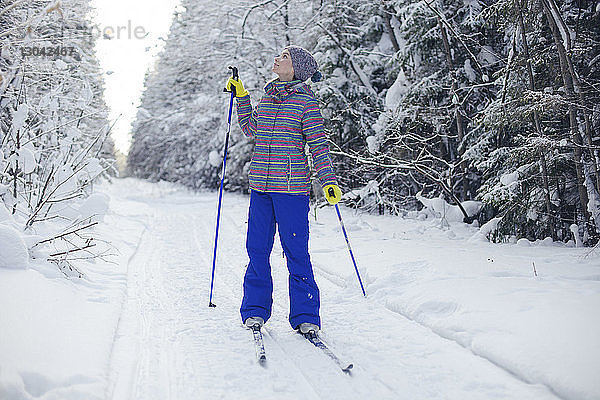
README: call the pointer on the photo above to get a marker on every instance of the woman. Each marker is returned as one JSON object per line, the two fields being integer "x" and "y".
{"x": 286, "y": 118}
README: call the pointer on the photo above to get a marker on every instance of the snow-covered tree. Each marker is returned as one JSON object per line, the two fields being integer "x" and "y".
{"x": 429, "y": 77}
{"x": 53, "y": 129}
{"x": 529, "y": 144}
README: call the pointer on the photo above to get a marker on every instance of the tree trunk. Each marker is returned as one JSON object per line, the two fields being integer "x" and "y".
{"x": 460, "y": 125}
{"x": 386, "y": 13}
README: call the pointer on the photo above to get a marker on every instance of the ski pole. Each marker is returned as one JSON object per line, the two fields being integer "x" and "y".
{"x": 337, "y": 209}
{"x": 234, "y": 72}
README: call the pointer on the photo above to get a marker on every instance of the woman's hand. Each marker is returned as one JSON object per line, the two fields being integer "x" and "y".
{"x": 333, "y": 194}
{"x": 238, "y": 85}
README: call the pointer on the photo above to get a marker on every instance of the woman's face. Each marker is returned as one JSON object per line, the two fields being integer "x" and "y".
{"x": 283, "y": 66}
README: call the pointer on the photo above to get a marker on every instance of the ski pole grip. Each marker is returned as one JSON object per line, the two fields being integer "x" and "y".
{"x": 331, "y": 192}
{"x": 234, "y": 72}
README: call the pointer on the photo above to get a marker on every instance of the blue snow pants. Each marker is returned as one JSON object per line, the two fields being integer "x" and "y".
{"x": 289, "y": 212}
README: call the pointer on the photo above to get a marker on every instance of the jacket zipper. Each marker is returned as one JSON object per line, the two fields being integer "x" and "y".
{"x": 289, "y": 172}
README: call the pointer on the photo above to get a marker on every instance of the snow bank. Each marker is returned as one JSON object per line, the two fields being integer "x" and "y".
{"x": 486, "y": 298}
{"x": 5, "y": 215}
{"x": 56, "y": 334}
{"x": 96, "y": 205}
{"x": 13, "y": 251}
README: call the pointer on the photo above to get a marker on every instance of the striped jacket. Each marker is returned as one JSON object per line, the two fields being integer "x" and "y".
{"x": 287, "y": 118}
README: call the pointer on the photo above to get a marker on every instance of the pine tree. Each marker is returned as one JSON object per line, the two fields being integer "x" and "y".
{"x": 527, "y": 148}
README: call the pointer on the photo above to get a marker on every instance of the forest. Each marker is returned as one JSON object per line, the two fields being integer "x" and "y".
{"x": 496, "y": 102}
{"x": 492, "y": 101}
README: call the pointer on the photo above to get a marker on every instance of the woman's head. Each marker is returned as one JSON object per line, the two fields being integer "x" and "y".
{"x": 283, "y": 66}
{"x": 296, "y": 63}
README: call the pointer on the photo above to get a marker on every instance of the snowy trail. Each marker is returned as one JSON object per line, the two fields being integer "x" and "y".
{"x": 171, "y": 345}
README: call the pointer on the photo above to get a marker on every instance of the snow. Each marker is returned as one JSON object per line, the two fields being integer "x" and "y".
{"x": 566, "y": 32}
{"x": 215, "y": 159}
{"x": 93, "y": 168}
{"x": 86, "y": 95}
{"x": 593, "y": 205}
{"x": 441, "y": 209}
{"x": 395, "y": 93}
{"x": 57, "y": 334}
{"x": 523, "y": 242}
{"x": 532, "y": 214}
{"x": 469, "y": 71}
{"x": 13, "y": 252}
{"x": 385, "y": 45}
{"x": 487, "y": 56}
{"x": 510, "y": 178}
{"x": 4, "y": 213}
{"x": 19, "y": 116}
{"x": 60, "y": 64}
{"x": 379, "y": 127}
{"x": 445, "y": 317}
{"x": 95, "y": 205}
{"x": 370, "y": 190}
{"x": 65, "y": 178}
{"x": 485, "y": 230}
{"x": 27, "y": 161}
{"x": 53, "y": 5}
{"x": 372, "y": 144}
{"x": 53, "y": 105}
{"x": 475, "y": 7}
{"x": 575, "y": 231}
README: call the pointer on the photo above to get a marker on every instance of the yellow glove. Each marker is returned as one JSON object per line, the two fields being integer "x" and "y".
{"x": 238, "y": 85}
{"x": 333, "y": 194}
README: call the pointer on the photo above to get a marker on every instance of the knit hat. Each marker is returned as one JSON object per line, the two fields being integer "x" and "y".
{"x": 304, "y": 64}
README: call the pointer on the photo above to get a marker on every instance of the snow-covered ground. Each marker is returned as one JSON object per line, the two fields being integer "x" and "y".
{"x": 446, "y": 316}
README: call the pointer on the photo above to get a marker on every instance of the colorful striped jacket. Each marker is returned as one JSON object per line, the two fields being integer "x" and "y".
{"x": 287, "y": 118}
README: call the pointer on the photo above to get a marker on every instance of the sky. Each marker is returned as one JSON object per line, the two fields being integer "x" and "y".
{"x": 138, "y": 29}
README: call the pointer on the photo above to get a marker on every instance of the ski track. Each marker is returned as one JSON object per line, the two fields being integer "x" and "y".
{"x": 170, "y": 345}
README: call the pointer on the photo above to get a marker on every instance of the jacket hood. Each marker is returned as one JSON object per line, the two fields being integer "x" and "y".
{"x": 284, "y": 89}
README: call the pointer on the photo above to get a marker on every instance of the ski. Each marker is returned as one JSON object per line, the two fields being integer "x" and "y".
{"x": 314, "y": 339}
{"x": 261, "y": 356}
